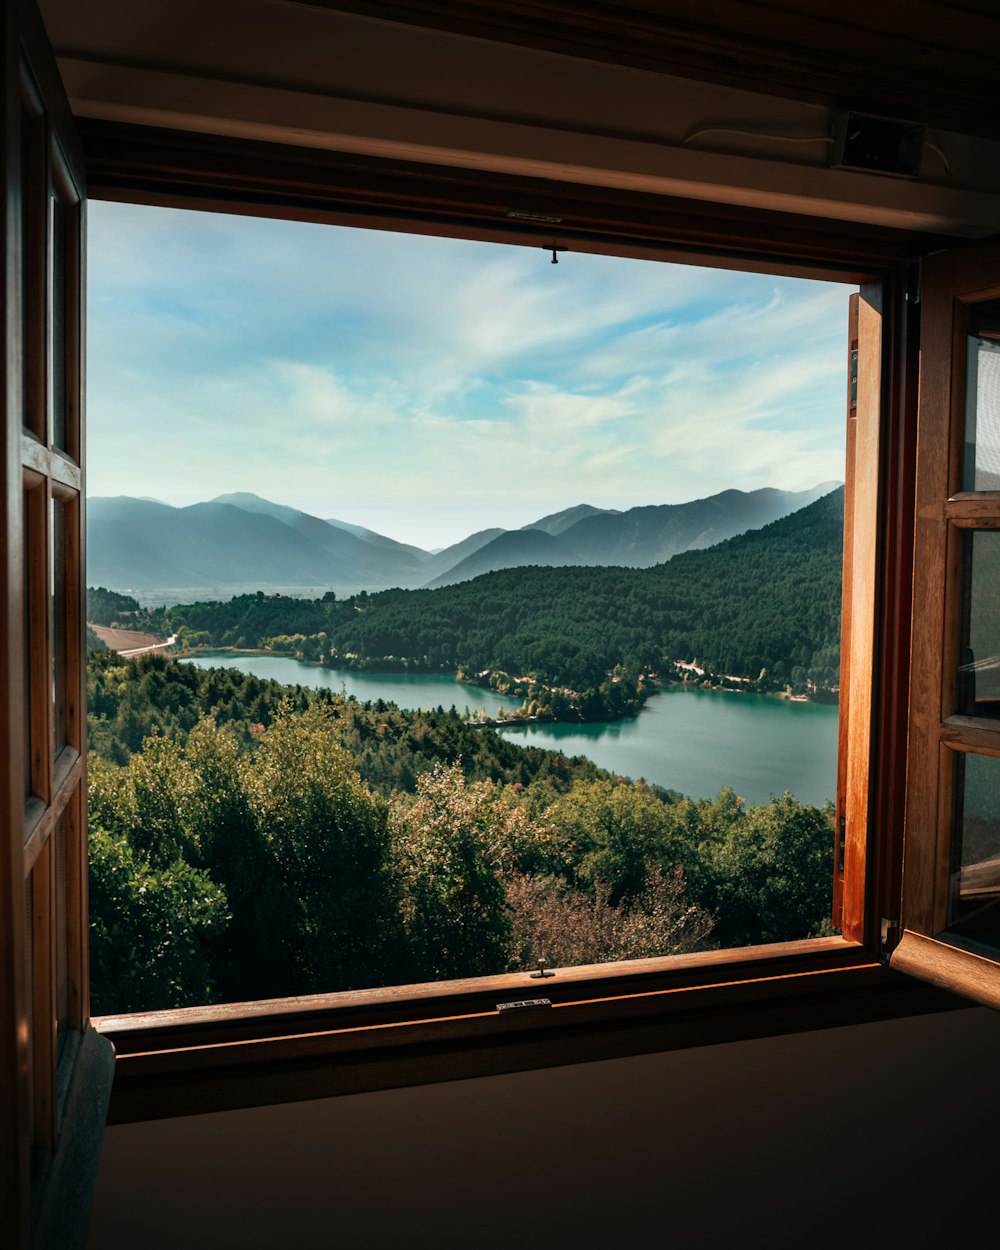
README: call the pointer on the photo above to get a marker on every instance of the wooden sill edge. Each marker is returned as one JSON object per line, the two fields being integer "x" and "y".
{"x": 140, "y": 1031}
{"x": 260, "y": 1072}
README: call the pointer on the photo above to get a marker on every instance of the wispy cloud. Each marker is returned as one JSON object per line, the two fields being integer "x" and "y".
{"x": 430, "y": 387}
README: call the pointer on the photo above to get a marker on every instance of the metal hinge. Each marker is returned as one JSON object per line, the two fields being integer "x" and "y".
{"x": 524, "y": 1004}
{"x": 890, "y": 936}
{"x": 854, "y": 379}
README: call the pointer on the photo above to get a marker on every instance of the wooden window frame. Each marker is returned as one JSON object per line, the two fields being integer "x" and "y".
{"x": 231, "y": 1055}
{"x": 953, "y": 282}
{"x": 54, "y": 1066}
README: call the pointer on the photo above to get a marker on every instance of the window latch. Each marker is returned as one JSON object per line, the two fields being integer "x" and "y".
{"x": 524, "y": 1004}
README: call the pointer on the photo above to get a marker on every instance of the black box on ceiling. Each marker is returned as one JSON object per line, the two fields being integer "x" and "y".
{"x": 877, "y": 145}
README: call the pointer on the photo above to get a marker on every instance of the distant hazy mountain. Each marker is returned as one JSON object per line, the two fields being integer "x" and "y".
{"x": 557, "y": 522}
{"x": 240, "y": 541}
{"x": 441, "y": 561}
{"x": 511, "y": 550}
{"x": 371, "y": 557}
{"x": 136, "y": 544}
{"x": 638, "y": 538}
{"x": 377, "y": 540}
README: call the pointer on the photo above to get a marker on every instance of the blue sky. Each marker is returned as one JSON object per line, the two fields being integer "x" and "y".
{"x": 427, "y": 388}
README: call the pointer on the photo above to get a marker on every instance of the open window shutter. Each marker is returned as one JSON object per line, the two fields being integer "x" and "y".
{"x": 951, "y": 865}
{"x": 43, "y": 908}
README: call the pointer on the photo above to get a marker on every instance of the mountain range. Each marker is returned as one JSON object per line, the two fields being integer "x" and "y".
{"x": 240, "y": 541}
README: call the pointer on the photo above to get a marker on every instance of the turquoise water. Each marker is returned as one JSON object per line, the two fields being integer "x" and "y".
{"x": 698, "y": 741}
{"x": 413, "y": 691}
{"x": 692, "y": 740}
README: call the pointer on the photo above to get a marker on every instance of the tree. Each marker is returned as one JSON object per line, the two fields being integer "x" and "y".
{"x": 770, "y": 873}
{"x": 152, "y": 929}
{"x": 614, "y": 833}
{"x": 329, "y": 837}
{"x": 247, "y": 959}
{"x": 458, "y": 843}
{"x": 566, "y": 927}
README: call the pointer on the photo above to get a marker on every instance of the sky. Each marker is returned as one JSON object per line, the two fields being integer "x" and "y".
{"x": 428, "y": 388}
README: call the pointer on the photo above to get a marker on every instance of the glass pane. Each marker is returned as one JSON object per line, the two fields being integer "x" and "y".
{"x": 981, "y": 467}
{"x": 58, "y": 609}
{"x": 61, "y": 923}
{"x": 33, "y": 272}
{"x": 57, "y": 322}
{"x": 26, "y": 651}
{"x": 979, "y": 650}
{"x": 975, "y": 898}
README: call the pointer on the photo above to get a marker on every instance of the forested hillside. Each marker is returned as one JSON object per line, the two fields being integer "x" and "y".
{"x": 131, "y": 700}
{"x": 638, "y": 538}
{"x": 249, "y": 840}
{"x": 764, "y": 606}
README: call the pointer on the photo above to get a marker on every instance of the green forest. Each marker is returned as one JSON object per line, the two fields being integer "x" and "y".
{"x": 761, "y": 609}
{"x": 251, "y": 840}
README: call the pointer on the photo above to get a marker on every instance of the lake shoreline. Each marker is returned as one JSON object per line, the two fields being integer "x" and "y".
{"x": 824, "y": 698}
{"x": 688, "y": 739}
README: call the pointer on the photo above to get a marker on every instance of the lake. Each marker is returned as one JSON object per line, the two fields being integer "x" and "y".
{"x": 687, "y": 739}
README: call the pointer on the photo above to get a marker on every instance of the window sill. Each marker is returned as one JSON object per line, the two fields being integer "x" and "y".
{"x": 216, "y": 1058}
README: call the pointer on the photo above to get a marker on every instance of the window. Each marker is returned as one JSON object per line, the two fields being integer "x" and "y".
{"x": 314, "y": 1046}
{"x": 310, "y": 1048}
{"x": 592, "y": 1006}
{"x": 607, "y": 413}
{"x": 43, "y": 988}
{"x": 951, "y": 882}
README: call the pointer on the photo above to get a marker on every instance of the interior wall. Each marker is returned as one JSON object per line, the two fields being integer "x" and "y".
{"x": 883, "y": 1133}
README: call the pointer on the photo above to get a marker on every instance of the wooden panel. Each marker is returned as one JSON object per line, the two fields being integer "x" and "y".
{"x": 863, "y": 471}
{"x": 971, "y": 733}
{"x": 41, "y": 818}
{"x": 847, "y": 582}
{"x": 922, "y": 852}
{"x": 52, "y": 463}
{"x": 949, "y": 966}
{"x": 43, "y": 1013}
{"x": 979, "y": 509}
{"x": 887, "y": 781}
